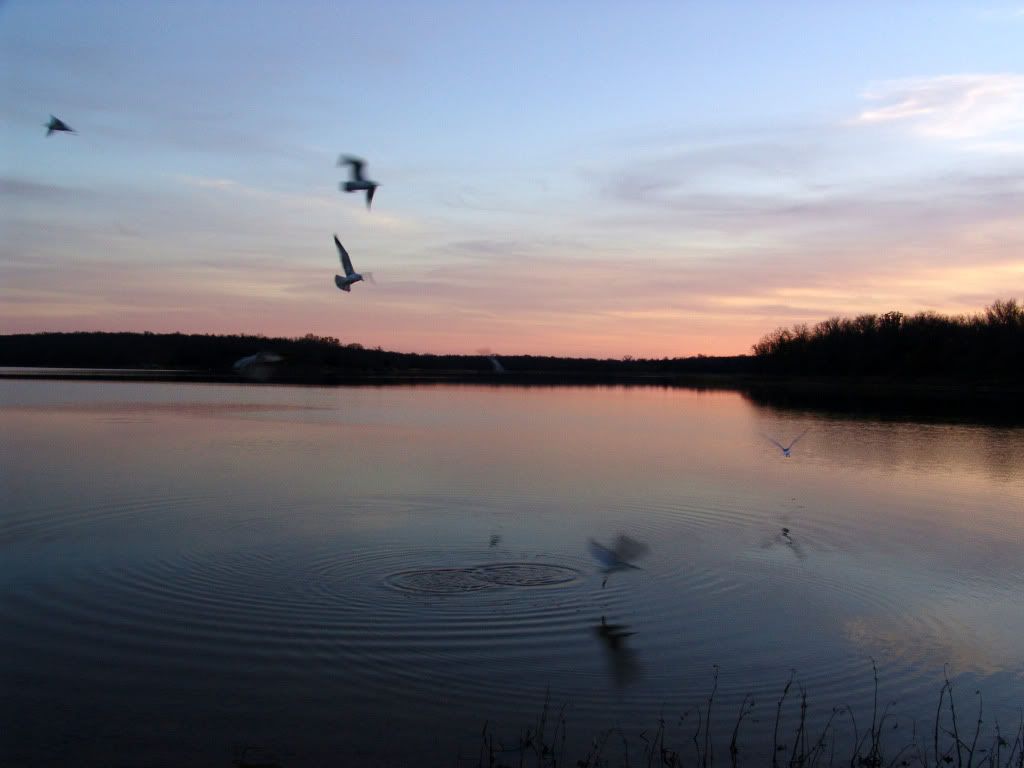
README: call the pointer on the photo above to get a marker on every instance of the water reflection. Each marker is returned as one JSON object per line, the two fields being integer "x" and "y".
{"x": 623, "y": 665}
{"x": 784, "y": 540}
{"x": 892, "y": 401}
{"x": 337, "y": 562}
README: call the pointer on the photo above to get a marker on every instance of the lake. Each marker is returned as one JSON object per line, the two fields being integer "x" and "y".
{"x": 201, "y": 573}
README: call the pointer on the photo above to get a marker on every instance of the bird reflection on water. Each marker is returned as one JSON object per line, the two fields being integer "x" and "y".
{"x": 785, "y": 539}
{"x": 622, "y": 660}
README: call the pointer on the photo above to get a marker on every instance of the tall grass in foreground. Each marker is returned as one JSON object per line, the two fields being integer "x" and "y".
{"x": 881, "y": 741}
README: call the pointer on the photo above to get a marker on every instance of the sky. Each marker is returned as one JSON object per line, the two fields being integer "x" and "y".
{"x": 575, "y": 178}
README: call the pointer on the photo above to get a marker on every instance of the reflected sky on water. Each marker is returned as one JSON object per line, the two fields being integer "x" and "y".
{"x": 372, "y": 572}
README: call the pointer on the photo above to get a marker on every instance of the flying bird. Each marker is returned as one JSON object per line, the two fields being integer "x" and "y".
{"x": 351, "y": 276}
{"x": 56, "y": 124}
{"x": 257, "y": 367}
{"x": 618, "y": 557}
{"x": 258, "y": 359}
{"x": 785, "y": 448}
{"x": 358, "y": 182}
{"x": 496, "y": 364}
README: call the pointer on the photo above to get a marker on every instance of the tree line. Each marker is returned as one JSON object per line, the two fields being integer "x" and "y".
{"x": 310, "y": 354}
{"x": 985, "y": 345}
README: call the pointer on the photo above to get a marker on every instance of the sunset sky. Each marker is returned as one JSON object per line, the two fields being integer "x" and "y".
{"x": 570, "y": 178}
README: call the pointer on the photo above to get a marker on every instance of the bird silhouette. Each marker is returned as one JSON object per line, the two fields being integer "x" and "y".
{"x": 618, "y": 557}
{"x": 358, "y": 182}
{"x": 56, "y": 124}
{"x": 257, "y": 359}
{"x": 785, "y": 448}
{"x": 351, "y": 276}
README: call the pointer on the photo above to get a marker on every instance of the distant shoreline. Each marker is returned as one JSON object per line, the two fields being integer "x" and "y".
{"x": 881, "y": 385}
{"x": 463, "y": 376}
{"x": 923, "y": 366}
{"x": 931, "y": 398}
{"x": 331, "y": 377}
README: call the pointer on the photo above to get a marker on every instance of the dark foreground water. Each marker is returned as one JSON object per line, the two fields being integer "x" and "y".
{"x": 367, "y": 575}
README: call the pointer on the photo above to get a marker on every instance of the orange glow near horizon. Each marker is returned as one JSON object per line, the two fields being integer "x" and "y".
{"x": 576, "y": 314}
{"x": 527, "y": 218}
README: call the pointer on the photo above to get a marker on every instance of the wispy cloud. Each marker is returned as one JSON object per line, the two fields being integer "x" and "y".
{"x": 803, "y": 215}
{"x": 16, "y": 187}
{"x": 205, "y": 183}
{"x": 950, "y": 106}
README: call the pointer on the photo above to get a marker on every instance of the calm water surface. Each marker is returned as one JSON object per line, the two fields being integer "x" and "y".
{"x": 366, "y": 575}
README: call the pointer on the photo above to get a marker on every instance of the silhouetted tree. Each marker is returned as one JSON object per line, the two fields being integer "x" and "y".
{"x": 312, "y": 357}
{"x": 926, "y": 344}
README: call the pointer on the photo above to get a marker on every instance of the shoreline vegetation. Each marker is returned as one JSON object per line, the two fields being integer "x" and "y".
{"x": 989, "y": 345}
{"x": 866, "y": 739}
{"x": 792, "y": 733}
{"x": 889, "y": 362}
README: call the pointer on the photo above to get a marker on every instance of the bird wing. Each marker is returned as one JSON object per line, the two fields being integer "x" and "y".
{"x": 356, "y": 165}
{"x": 346, "y": 262}
{"x": 602, "y": 554}
{"x": 244, "y": 362}
{"x": 369, "y": 196}
{"x": 795, "y": 439}
{"x": 774, "y": 442}
{"x": 627, "y": 548}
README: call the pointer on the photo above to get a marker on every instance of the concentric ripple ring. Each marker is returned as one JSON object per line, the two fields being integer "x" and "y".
{"x": 482, "y": 577}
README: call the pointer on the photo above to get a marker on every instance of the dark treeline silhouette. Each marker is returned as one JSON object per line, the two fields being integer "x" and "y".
{"x": 314, "y": 357}
{"x": 984, "y": 346}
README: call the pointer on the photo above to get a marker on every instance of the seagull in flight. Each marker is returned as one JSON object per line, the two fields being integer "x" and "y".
{"x": 358, "y": 181}
{"x": 618, "y": 557}
{"x": 56, "y": 124}
{"x": 351, "y": 276}
{"x": 785, "y": 448}
{"x": 257, "y": 359}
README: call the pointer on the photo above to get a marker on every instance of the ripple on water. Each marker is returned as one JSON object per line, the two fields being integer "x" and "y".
{"x": 444, "y": 581}
{"x": 414, "y": 620}
{"x": 476, "y": 578}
